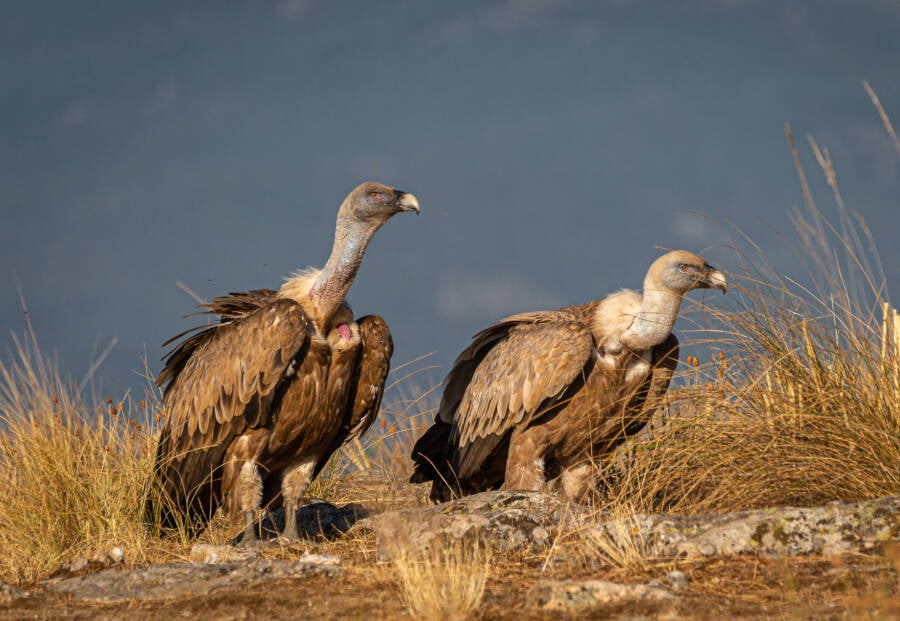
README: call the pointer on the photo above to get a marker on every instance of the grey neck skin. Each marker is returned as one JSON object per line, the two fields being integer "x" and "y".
{"x": 351, "y": 238}
{"x": 654, "y": 322}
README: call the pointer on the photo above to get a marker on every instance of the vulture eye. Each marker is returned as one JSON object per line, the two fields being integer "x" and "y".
{"x": 374, "y": 194}
{"x": 684, "y": 267}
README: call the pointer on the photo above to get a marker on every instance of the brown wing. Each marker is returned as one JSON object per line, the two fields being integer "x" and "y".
{"x": 374, "y": 364}
{"x": 228, "y": 307}
{"x": 468, "y": 360}
{"x": 366, "y": 385}
{"x": 238, "y": 304}
{"x": 665, "y": 359}
{"x": 517, "y": 379}
{"x": 222, "y": 381}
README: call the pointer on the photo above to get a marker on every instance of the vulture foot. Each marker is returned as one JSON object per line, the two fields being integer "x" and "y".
{"x": 296, "y": 480}
{"x": 250, "y": 539}
{"x": 290, "y": 523}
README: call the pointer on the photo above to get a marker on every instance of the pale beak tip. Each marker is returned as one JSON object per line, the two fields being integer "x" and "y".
{"x": 409, "y": 202}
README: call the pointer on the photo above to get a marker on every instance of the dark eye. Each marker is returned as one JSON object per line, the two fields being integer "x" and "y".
{"x": 684, "y": 267}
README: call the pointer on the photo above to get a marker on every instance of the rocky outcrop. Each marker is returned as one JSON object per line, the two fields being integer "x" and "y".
{"x": 175, "y": 580}
{"x": 565, "y": 594}
{"x": 510, "y": 521}
{"x": 835, "y": 528}
{"x": 523, "y": 520}
{"x": 9, "y": 594}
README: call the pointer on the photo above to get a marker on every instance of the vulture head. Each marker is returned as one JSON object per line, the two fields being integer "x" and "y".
{"x": 668, "y": 279}
{"x": 681, "y": 271}
{"x": 374, "y": 203}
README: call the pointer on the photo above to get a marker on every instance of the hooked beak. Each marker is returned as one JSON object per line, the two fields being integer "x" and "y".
{"x": 714, "y": 279}
{"x": 408, "y": 202}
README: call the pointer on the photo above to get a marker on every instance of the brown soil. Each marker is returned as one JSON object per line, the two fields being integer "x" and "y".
{"x": 747, "y": 588}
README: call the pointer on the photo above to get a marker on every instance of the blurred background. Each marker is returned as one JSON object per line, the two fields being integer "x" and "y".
{"x": 554, "y": 147}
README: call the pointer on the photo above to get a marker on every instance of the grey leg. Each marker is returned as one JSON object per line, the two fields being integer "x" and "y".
{"x": 251, "y": 488}
{"x": 294, "y": 484}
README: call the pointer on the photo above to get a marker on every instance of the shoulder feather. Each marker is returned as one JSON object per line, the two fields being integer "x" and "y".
{"x": 517, "y": 380}
{"x": 227, "y": 374}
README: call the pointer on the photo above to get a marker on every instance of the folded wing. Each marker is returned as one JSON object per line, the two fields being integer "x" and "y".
{"x": 221, "y": 382}
{"x": 525, "y": 372}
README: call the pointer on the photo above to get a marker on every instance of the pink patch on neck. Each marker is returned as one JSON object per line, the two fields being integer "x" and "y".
{"x": 344, "y": 330}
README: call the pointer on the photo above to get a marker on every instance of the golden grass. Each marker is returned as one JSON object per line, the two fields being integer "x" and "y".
{"x": 620, "y": 543}
{"x": 443, "y": 582}
{"x": 71, "y": 474}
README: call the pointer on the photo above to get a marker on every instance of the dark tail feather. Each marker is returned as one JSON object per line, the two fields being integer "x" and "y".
{"x": 175, "y": 507}
{"x": 431, "y": 456}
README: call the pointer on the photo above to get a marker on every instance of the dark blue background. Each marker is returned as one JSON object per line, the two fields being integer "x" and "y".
{"x": 553, "y": 146}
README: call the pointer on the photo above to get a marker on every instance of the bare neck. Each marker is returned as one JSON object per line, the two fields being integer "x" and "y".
{"x": 351, "y": 238}
{"x": 655, "y": 320}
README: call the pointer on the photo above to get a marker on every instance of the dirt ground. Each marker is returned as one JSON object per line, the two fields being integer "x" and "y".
{"x": 857, "y": 587}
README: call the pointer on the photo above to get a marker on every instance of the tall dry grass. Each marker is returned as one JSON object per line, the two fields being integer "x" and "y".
{"x": 798, "y": 401}
{"x": 71, "y": 474}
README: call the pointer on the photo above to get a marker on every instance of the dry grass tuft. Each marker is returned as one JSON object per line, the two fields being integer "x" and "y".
{"x": 72, "y": 474}
{"x": 443, "y": 582}
{"x": 620, "y": 542}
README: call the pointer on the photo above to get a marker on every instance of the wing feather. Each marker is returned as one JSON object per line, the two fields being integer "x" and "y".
{"x": 536, "y": 362}
{"x": 665, "y": 359}
{"x": 374, "y": 365}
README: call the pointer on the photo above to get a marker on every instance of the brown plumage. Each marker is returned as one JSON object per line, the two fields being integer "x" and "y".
{"x": 542, "y": 396}
{"x": 257, "y": 403}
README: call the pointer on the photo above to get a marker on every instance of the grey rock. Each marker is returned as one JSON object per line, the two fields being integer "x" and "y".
{"x": 213, "y": 554}
{"x": 509, "y": 520}
{"x": 320, "y": 559}
{"x": 116, "y": 555}
{"x": 523, "y": 520}
{"x": 835, "y": 528}
{"x": 79, "y": 565}
{"x": 98, "y": 561}
{"x": 175, "y": 580}
{"x": 316, "y": 520}
{"x": 10, "y": 594}
{"x": 566, "y": 594}
{"x": 677, "y": 579}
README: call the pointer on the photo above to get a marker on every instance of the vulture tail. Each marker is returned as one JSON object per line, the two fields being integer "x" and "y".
{"x": 431, "y": 456}
{"x": 174, "y": 507}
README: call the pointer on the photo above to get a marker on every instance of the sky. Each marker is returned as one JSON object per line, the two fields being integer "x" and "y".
{"x": 554, "y": 148}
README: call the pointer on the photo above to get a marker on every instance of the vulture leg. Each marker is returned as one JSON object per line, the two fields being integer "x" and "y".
{"x": 242, "y": 484}
{"x": 296, "y": 480}
{"x": 251, "y": 491}
{"x": 525, "y": 461}
{"x": 576, "y": 481}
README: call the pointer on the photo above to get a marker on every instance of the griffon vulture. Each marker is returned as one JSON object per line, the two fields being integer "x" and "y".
{"x": 541, "y": 396}
{"x": 257, "y": 403}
